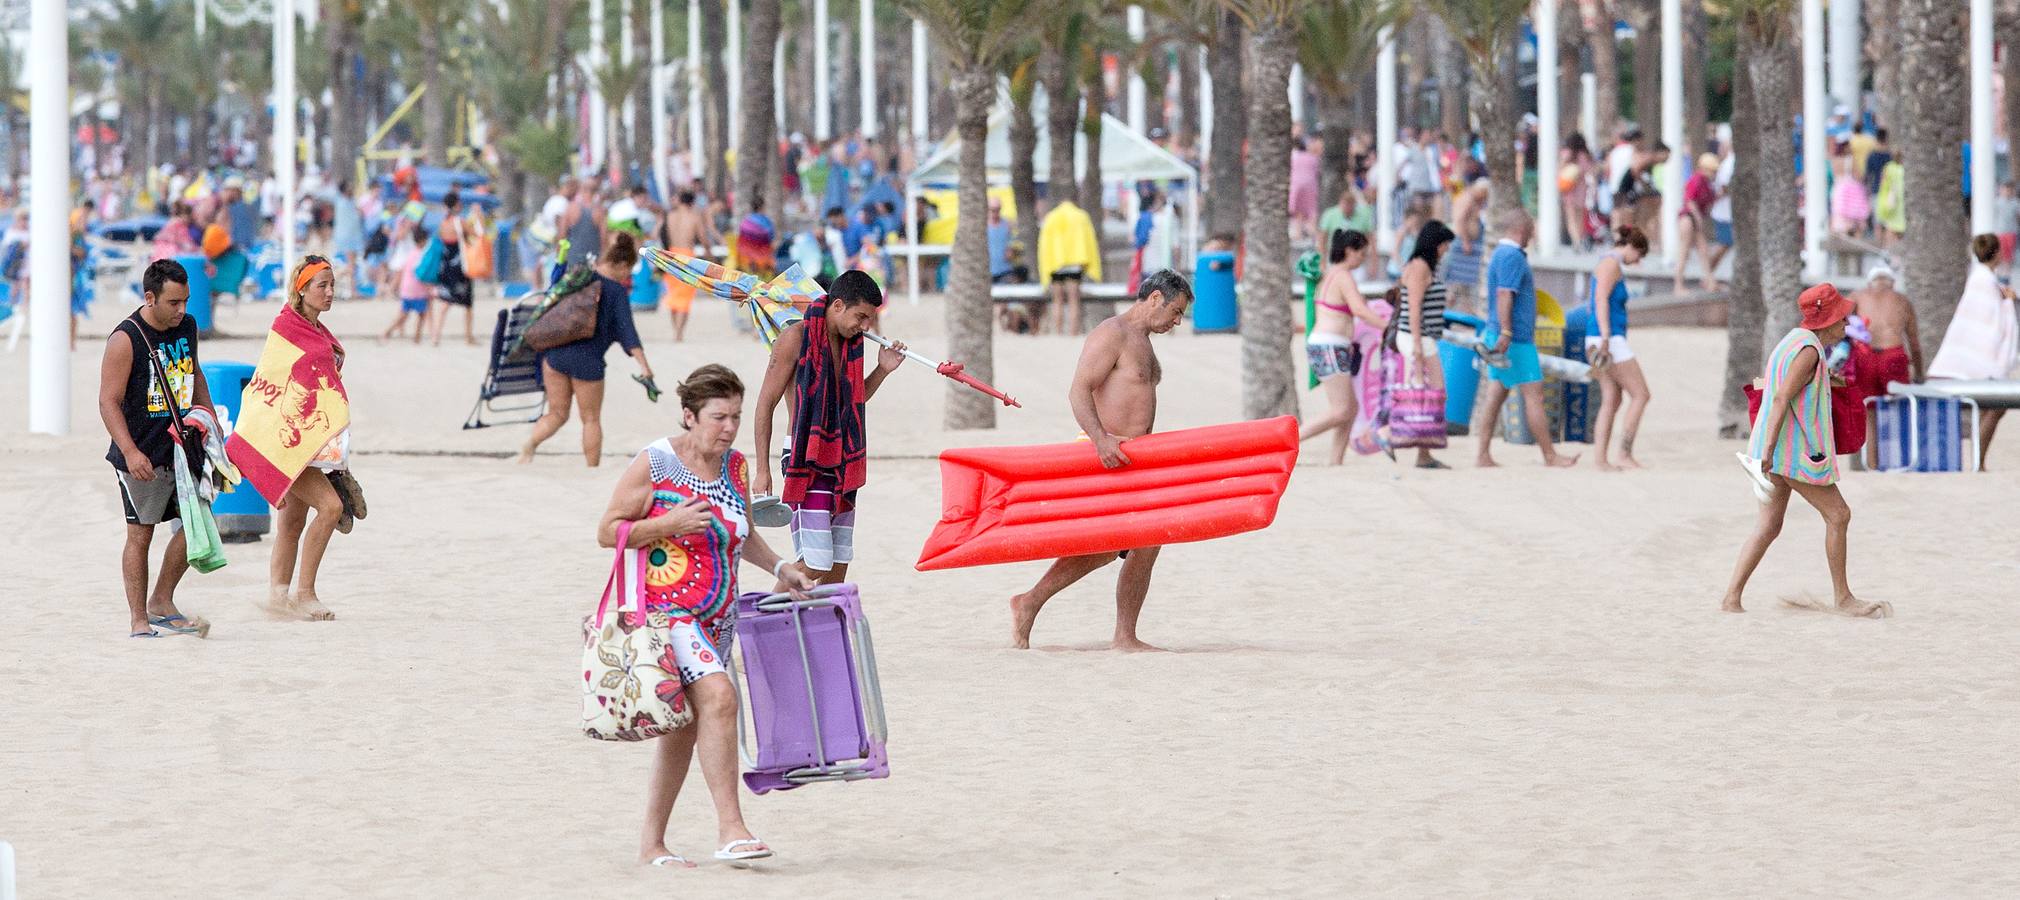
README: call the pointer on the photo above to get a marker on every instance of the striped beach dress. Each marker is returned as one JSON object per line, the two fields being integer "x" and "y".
{"x": 1807, "y": 434}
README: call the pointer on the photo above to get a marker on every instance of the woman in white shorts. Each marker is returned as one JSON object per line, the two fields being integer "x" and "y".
{"x": 1423, "y": 317}
{"x": 1613, "y": 362}
{"x": 1334, "y": 357}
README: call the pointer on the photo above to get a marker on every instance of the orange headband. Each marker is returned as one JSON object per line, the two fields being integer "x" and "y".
{"x": 308, "y": 273}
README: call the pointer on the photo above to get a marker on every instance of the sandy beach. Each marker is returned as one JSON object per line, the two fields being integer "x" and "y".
{"x": 1465, "y": 683}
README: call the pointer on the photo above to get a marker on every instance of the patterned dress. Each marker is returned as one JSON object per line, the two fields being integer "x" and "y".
{"x": 693, "y": 577}
{"x": 1807, "y": 433}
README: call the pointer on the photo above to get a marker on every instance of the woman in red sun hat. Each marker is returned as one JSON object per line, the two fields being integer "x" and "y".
{"x": 1792, "y": 450}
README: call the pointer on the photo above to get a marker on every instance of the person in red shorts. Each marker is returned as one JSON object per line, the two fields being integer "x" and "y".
{"x": 1892, "y": 348}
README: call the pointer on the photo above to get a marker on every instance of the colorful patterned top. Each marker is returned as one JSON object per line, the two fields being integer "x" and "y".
{"x": 694, "y": 575}
{"x": 1807, "y": 434}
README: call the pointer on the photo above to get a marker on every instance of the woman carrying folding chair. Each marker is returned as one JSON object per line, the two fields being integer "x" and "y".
{"x": 684, "y": 503}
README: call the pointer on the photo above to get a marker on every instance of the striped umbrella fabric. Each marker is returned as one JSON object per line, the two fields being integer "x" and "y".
{"x": 772, "y": 305}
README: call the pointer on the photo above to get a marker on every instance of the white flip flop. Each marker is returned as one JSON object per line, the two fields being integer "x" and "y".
{"x": 730, "y": 853}
{"x": 768, "y": 511}
{"x": 1763, "y": 489}
{"x": 670, "y": 861}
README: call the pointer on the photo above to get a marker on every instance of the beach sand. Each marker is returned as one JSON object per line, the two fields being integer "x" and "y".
{"x": 1467, "y": 683}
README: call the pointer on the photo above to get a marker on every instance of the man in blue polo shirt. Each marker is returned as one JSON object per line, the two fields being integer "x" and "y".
{"x": 1511, "y": 332}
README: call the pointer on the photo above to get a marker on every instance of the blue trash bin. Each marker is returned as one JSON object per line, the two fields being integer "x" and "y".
{"x": 242, "y": 514}
{"x": 1213, "y": 301}
{"x": 199, "y": 291}
{"x": 1580, "y": 400}
{"x": 645, "y": 288}
{"x": 1462, "y": 377}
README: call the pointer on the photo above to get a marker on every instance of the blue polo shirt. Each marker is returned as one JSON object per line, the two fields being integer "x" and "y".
{"x": 1509, "y": 270}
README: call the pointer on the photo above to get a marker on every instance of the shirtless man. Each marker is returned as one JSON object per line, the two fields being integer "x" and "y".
{"x": 1895, "y": 351}
{"x": 1114, "y": 398}
{"x": 685, "y": 230}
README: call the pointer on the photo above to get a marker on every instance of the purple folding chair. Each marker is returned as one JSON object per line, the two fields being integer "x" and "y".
{"x": 810, "y": 673}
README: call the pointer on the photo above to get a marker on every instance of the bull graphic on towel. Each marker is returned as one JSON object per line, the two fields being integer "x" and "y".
{"x": 294, "y": 406}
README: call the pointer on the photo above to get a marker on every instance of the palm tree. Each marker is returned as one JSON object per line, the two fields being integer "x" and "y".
{"x": 1225, "y": 205}
{"x": 757, "y": 134}
{"x": 1022, "y": 61}
{"x": 1268, "y": 380}
{"x": 713, "y": 143}
{"x": 973, "y": 35}
{"x": 431, "y": 19}
{"x": 1061, "y": 35}
{"x": 1337, "y": 46}
{"x": 1767, "y": 35}
{"x": 1599, "y": 19}
{"x": 514, "y": 95}
{"x": 137, "y": 34}
{"x": 1932, "y": 41}
{"x": 1745, "y": 318}
{"x": 341, "y": 20}
{"x": 1489, "y": 29}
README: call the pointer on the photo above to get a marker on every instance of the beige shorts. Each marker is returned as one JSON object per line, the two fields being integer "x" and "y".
{"x": 1430, "y": 347}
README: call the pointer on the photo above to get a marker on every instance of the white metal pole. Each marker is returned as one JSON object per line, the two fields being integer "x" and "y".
{"x": 1385, "y": 142}
{"x": 697, "y": 160}
{"x": 1588, "y": 110}
{"x": 660, "y": 123}
{"x": 779, "y": 82}
{"x": 627, "y": 53}
{"x": 912, "y": 231}
{"x": 733, "y": 129}
{"x": 284, "y": 126}
{"x": 1204, "y": 149}
{"x": 599, "y": 56}
{"x": 866, "y": 54}
{"x": 921, "y": 129}
{"x": 1297, "y": 92}
{"x": 1137, "y": 94}
{"x": 1549, "y": 209}
{"x": 823, "y": 100}
{"x": 1672, "y": 125}
{"x": 48, "y": 76}
{"x": 1846, "y": 52}
{"x": 1983, "y": 146}
{"x": 1816, "y": 159}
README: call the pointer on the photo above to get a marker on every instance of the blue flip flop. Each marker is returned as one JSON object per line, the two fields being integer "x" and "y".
{"x": 150, "y": 633}
{"x": 177, "y": 623}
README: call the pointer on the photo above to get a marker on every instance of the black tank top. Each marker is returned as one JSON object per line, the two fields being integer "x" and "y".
{"x": 146, "y": 411}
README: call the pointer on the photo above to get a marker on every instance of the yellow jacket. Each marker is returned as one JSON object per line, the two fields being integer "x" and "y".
{"x": 1066, "y": 238}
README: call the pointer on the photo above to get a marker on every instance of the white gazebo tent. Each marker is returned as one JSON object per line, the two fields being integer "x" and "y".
{"x": 1126, "y": 157}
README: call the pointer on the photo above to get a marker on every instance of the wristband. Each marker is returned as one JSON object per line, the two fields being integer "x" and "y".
{"x": 779, "y": 566}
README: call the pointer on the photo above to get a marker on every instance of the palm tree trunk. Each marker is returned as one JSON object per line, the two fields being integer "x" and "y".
{"x": 1062, "y": 111}
{"x": 757, "y": 134}
{"x": 1156, "y": 74}
{"x": 1417, "y": 52}
{"x": 1095, "y": 95}
{"x": 434, "y": 105}
{"x": 1643, "y": 15}
{"x": 1268, "y": 382}
{"x": 1500, "y": 123}
{"x": 1932, "y": 41}
{"x": 1883, "y": 46}
{"x": 1745, "y": 351}
{"x": 346, "y": 135}
{"x": 1223, "y": 205}
{"x": 715, "y": 125}
{"x": 1570, "y": 54}
{"x": 1771, "y": 63}
{"x": 1023, "y": 174}
{"x": 1605, "y": 71}
{"x": 970, "y": 312}
{"x": 1453, "y": 116}
{"x": 1338, "y": 158}
{"x": 1186, "y": 122}
{"x": 2008, "y": 15}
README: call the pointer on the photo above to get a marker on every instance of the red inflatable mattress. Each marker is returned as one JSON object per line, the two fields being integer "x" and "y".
{"x": 1012, "y": 504}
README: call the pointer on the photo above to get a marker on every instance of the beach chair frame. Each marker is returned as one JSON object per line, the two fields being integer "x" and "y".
{"x": 505, "y": 378}
{"x": 1967, "y": 416}
{"x": 869, "y": 691}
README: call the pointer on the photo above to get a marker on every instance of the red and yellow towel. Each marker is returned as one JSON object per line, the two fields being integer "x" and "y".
{"x": 294, "y": 406}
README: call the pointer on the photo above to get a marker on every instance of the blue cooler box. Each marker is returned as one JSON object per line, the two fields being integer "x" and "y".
{"x": 242, "y": 514}
{"x": 1213, "y": 301}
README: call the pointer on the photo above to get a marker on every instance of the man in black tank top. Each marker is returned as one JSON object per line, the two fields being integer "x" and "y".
{"x": 141, "y": 420}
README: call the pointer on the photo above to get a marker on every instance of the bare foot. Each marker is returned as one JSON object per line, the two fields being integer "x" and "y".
{"x": 1562, "y": 461}
{"x": 307, "y": 606}
{"x": 276, "y": 602}
{"x": 1132, "y": 645}
{"x": 1022, "y": 615}
{"x": 1485, "y": 462}
{"x": 525, "y": 455}
{"x": 1629, "y": 462}
{"x": 1605, "y": 466}
{"x": 1731, "y": 605}
{"x": 1860, "y": 609}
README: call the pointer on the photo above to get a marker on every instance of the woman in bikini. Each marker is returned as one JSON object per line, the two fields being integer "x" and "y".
{"x": 689, "y": 497}
{"x": 1335, "y": 359}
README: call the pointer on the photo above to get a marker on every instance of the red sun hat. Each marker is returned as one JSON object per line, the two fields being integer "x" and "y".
{"x": 1823, "y": 306}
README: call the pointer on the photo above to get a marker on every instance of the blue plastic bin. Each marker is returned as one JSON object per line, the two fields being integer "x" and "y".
{"x": 1462, "y": 377}
{"x": 645, "y": 288}
{"x": 199, "y": 292}
{"x": 242, "y": 514}
{"x": 1213, "y": 300}
{"x": 1580, "y": 400}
